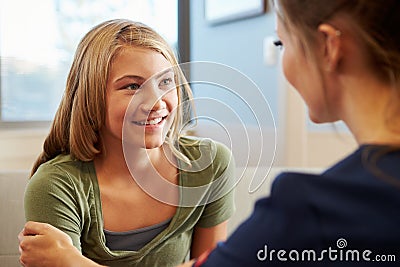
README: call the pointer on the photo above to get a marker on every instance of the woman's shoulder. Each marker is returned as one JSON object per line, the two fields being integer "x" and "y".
{"x": 289, "y": 181}
{"x": 335, "y": 187}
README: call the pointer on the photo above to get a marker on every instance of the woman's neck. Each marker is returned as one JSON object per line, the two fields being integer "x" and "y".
{"x": 369, "y": 113}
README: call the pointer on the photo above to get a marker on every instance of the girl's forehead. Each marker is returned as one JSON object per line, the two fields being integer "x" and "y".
{"x": 140, "y": 60}
{"x": 139, "y": 53}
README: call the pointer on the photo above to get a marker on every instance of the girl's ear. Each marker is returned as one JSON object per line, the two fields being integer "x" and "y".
{"x": 331, "y": 42}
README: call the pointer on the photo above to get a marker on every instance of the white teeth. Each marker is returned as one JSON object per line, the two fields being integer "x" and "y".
{"x": 150, "y": 122}
{"x": 155, "y": 121}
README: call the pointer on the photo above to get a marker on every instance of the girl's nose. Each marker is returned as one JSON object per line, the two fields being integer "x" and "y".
{"x": 152, "y": 99}
{"x": 155, "y": 105}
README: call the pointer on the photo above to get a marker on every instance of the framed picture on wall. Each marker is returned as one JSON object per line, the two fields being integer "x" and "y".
{"x": 223, "y": 11}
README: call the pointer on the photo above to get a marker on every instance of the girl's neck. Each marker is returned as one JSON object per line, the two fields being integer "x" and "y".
{"x": 120, "y": 161}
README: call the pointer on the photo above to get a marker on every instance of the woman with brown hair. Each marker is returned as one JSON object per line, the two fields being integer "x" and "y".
{"x": 116, "y": 173}
{"x": 343, "y": 58}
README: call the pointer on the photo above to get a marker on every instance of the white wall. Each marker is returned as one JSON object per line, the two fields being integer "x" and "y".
{"x": 19, "y": 148}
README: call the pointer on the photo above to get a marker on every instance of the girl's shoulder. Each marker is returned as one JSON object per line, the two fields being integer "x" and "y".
{"x": 65, "y": 169}
{"x": 193, "y": 145}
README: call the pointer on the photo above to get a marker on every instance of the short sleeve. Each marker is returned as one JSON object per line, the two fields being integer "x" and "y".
{"x": 50, "y": 197}
{"x": 223, "y": 207}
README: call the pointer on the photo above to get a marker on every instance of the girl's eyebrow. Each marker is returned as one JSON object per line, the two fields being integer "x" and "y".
{"x": 163, "y": 73}
{"x": 134, "y": 77}
{"x": 140, "y": 78}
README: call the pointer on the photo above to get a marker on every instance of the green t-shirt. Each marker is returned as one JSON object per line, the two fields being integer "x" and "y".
{"x": 65, "y": 193}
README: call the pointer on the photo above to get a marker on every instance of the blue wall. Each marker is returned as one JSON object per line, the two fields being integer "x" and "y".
{"x": 239, "y": 45}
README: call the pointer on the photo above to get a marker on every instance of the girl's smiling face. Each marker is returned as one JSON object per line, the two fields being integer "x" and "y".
{"x": 141, "y": 98}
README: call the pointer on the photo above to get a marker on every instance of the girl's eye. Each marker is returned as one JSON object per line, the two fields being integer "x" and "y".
{"x": 166, "y": 82}
{"x": 133, "y": 86}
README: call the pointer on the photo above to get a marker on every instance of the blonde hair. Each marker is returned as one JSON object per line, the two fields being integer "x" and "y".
{"x": 82, "y": 111}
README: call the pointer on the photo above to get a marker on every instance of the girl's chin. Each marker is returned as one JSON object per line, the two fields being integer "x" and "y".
{"x": 151, "y": 143}
{"x": 148, "y": 143}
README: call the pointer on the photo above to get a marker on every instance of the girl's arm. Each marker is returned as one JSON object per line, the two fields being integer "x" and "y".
{"x": 205, "y": 239}
{"x": 41, "y": 244}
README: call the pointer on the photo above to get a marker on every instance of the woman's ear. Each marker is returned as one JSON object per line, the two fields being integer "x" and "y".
{"x": 331, "y": 42}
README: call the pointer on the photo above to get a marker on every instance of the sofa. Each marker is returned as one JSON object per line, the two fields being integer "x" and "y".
{"x": 12, "y": 186}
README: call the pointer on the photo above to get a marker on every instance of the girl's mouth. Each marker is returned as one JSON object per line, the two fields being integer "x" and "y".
{"x": 154, "y": 121}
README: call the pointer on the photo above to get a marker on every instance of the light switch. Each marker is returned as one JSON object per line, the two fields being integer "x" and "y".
{"x": 270, "y": 51}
